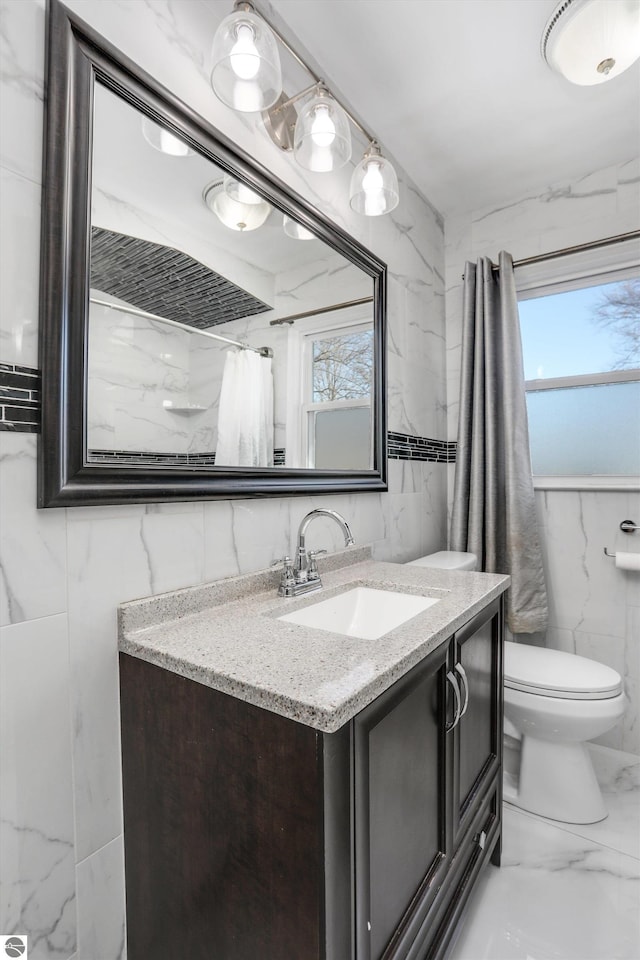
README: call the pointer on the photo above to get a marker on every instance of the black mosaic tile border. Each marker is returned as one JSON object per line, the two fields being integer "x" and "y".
{"x": 404, "y": 446}
{"x": 137, "y": 458}
{"x": 20, "y": 402}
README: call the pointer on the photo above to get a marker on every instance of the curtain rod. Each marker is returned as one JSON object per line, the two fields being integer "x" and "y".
{"x": 319, "y": 310}
{"x": 577, "y": 248}
{"x": 263, "y": 351}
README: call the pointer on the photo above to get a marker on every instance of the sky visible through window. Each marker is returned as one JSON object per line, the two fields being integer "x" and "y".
{"x": 562, "y": 338}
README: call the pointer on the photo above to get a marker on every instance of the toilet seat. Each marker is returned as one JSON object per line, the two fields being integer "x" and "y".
{"x": 553, "y": 673}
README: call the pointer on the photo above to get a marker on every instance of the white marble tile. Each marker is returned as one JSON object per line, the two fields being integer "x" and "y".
{"x": 110, "y": 561}
{"x": 425, "y": 330}
{"x": 416, "y": 399}
{"x": 33, "y": 542}
{"x": 405, "y": 520}
{"x": 559, "y": 638}
{"x": 630, "y": 724}
{"x": 405, "y": 476}
{"x": 618, "y": 774}
{"x": 101, "y": 904}
{"x": 19, "y": 266}
{"x": 22, "y": 87}
{"x": 36, "y": 799}
{"x": 244, "y": 535}
{"x": 586, "y": 592}
{"x": 556, "y": 895}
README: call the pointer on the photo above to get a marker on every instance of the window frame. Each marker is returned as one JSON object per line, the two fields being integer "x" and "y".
{"x": 576, "y": 271}
{"x": 324, "y": 328}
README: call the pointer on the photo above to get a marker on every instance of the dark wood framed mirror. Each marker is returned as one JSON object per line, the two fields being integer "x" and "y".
{"x": 165, "y": 310}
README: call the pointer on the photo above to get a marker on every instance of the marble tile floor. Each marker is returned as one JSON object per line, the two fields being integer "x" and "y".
{"x": 564, "y": 891}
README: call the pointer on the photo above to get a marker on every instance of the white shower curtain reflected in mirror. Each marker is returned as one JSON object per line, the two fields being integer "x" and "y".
{"x": 245, "y": 416}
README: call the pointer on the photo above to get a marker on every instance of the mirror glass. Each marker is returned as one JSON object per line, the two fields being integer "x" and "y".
{"x": 205, "y": 332}
{"x": 221, "y": 331}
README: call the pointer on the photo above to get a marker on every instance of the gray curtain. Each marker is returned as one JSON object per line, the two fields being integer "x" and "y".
{"x": 494, "y": 514}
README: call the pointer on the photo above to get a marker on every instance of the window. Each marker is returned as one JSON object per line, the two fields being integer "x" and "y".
{"x": 337, "y": 398}
{"x": 581, "y": 350}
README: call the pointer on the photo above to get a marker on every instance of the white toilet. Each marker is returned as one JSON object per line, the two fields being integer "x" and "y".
{"x": 556, "y": 701}
{"x": 447, "y": 560}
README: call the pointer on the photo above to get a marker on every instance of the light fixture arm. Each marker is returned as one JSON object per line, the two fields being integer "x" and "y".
{"x": 319, "y": 82}
{"x": 282, "y": 105}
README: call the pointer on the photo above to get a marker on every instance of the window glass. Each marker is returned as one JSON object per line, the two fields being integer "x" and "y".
{"x": 342, "y": 366}
{"x": 343, "y": 439}
{"x": 592, "y": 330}
{"x": 577, "y": 427}
{"x": 583, "y": 431}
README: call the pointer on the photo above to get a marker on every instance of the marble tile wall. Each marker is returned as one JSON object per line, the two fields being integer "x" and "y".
{"x": 593, "y": 606}
{"x": 63, "y": 572}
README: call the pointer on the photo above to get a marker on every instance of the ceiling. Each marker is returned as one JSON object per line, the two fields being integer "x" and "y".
{"x": 457, "y": 91}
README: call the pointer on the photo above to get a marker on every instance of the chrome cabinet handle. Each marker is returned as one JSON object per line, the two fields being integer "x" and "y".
{"x": 451, "y": 677}
{"x": 463, "y": 676}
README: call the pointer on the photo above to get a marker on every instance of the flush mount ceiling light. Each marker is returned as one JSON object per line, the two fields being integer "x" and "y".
{"x": 233, "y": 214}
{"x": 319, "y": 135}
{"x": 245, "y": 72}
{"x": 590, "y": 41}
{"x": 160, "y": 139}
{"x": 374, "y": 184}
{"x": 240, "y": 192}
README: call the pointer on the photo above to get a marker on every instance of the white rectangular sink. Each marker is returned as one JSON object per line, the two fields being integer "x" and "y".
{"x": 361, "y": 612}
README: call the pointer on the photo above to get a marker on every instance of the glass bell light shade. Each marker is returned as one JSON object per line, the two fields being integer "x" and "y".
{"x": 160, "y": 139}
{"x": 245, "y": 73}
{"x": 240, "y": 192}
{"x": 322, "y": 138}
{"x": 590, "y": 41}
{"x": 233, "y": 214}
{"x": 374, "y": 185}
{"x": 295, "y": 230}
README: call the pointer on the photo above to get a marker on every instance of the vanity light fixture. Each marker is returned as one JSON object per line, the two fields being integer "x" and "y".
{"x": 245, "y": 72}
{"x": 295, "y": 230}
{"x": 322, "y": 139}
{"x": 374, "y": 184}
{"x": 319, "y": 135}
{"x": 590, "y": 41}
{"x": 160, "y": 139}
{"x": 232, "y": 213}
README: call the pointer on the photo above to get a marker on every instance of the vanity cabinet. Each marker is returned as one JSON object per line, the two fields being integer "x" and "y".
{"x": 251, "y": 835}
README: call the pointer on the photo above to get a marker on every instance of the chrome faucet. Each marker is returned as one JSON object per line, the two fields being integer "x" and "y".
{"x": 304, "y": 576}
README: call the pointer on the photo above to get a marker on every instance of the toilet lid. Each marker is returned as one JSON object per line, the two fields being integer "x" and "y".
{"x": 552, "y": 673}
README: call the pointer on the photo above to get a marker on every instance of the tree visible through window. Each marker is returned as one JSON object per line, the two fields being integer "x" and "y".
{"x": 343, "y": 366}
{"x": 618, "y": 312}
{"x": 338, "y": 398}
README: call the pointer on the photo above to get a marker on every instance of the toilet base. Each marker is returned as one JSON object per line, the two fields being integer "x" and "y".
{"x": 557, "y": 781}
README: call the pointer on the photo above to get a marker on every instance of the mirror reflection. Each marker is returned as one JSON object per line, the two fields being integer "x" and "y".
{"x": 222, "y": 332}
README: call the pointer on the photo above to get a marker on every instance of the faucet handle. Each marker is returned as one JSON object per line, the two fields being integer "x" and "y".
{"x": 312, "y": 571}
{"x": 287, "y": 570}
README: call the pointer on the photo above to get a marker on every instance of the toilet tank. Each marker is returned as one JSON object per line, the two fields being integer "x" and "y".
{"x": 447, "y": 560}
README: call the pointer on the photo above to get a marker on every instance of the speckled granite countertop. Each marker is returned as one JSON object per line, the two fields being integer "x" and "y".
{"x": 226, "y": 635}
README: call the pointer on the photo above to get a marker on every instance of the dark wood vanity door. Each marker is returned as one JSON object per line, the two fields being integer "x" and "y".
{"x": 222, "y": 823}
{"x": 477, "y": 649}
{"x": 400, "y": 808}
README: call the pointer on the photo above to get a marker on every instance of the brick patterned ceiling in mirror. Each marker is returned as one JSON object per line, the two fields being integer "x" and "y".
{"x": 166, "y": 282}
